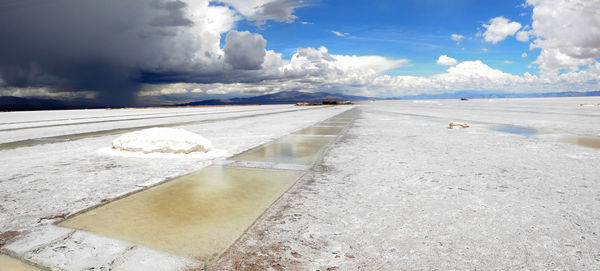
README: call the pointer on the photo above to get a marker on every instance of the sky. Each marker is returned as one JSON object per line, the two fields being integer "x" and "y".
{"x": 134, "y": 52}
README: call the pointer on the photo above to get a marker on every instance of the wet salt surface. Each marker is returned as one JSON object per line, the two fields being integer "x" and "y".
{"x": 316, "y": 130}
{"x": 65, "y": 177}
{"x": 197, "y": 216}
{"x": 11, "y": 264}
{"x": 201, "y": 214}
{"x": 515, "y": 129}
{"x": 67, "y": 252}
{"x": 590, "y": 142}
{"x": 288, "y": 149}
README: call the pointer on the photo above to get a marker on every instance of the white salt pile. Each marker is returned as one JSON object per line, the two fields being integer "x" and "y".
{"x": 162, "y": 140}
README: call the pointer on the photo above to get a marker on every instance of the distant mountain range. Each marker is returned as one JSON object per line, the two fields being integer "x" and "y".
{"x": 284, "y": 97}
{"x": 10, "y": 103}
{"x": 492, "y": 95}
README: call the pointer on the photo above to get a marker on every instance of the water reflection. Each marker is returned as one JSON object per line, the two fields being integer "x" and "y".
{"x": 196, "y": 216}
{"x": 288, "y": 149}
{"x": 514, "y": 129}
{"x": 320, "y": 130}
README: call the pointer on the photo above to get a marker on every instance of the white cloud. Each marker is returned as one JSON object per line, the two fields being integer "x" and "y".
{"x": 523, "y": 36}
{"x": 524, "y": 55}
{"x": 457, "y": 38}
{"x": 499, "y": 28}
{"x": 339, "y": 34}
{"x": 320, "y": 65}
{"x": 567, "y": 32}
{"x": 445, "y": 60}
{"x": 262, "y": 10}
{"x": 312, "y": 69}
{"x": 508, "y": 62}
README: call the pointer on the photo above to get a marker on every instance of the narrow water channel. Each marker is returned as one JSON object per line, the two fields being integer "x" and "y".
{"x": 201, "y": 214}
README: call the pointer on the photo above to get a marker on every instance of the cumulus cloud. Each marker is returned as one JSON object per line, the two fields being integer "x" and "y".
{"x": 244, "y": 50}
{"x": 467, "y": 75}
{"x": 524, "y": 55}
{"x": 475, "y": 75}
{"x": 457, "y": 38}
{"x": 499, "y": 28}
{"x": 567, "y": 32}
{"x": 308, "y": 69}
{"x": 445, "y": 60}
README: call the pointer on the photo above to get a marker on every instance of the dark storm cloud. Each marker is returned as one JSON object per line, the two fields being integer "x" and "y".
{"x": 174, "y": 17}
{"x": 114, "y": 47}
{"x": 85, "y": 45}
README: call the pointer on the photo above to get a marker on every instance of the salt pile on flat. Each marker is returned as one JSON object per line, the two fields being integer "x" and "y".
{"x": 162, "y": 140}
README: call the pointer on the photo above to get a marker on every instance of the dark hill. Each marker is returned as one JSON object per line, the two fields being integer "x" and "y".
{"x": 284, "y": 97}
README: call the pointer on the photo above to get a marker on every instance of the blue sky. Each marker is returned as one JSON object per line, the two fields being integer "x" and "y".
{"x": 415, "y": 30}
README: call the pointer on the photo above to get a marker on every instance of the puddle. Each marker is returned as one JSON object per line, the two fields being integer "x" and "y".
{"x": 514, "y": 129}
{"x": 195, "y": 216}
{"x": 334, "y": 123}
{"x": 340, "y": 119}
{"x": 320, "y": 130}
{"x": 590, "y": 142}
{"x": 11, "y": 264}
{"x": 288, "y": 149}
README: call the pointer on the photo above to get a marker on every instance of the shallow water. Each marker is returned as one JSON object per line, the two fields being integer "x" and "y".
{"x": 590, "y": 142}
{"x": 514, "y": 129}
{"x": 288, "y": 149}
{"x": 196, "y": 216}
{"x": 342, "y": 119}
{"x": 334, "y": 122}
{"x": 11, "y": 264}
{"x": 315, "y": 130}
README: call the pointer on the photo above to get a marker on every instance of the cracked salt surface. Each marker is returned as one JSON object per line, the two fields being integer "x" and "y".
{"x": 404, "y": 192}
{"x": 54, "y": 180}
{"x": 398, "y": 190}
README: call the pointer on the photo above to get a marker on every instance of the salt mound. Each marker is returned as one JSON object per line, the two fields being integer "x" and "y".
{"x": 162, "y": 140}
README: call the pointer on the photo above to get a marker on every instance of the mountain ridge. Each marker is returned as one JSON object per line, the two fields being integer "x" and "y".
{"x": 283, "y": 97}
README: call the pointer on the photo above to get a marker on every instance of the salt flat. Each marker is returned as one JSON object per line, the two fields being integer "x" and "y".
{"x": 398, "y": 190}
